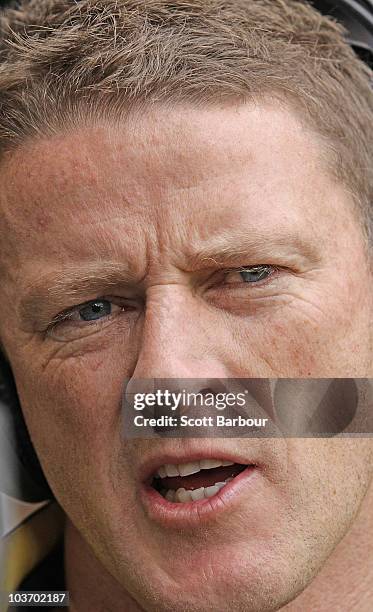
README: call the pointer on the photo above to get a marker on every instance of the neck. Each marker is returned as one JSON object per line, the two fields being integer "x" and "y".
{"x": 344, "y": 583}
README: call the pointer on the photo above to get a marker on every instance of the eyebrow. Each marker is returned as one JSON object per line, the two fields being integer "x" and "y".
{"x": 225, "y": 247}
{"x": 67, "y": 285}
{"x": 72, "y": 285}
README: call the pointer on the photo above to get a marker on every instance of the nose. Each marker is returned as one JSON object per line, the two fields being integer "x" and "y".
{"x": 180, "y": 338}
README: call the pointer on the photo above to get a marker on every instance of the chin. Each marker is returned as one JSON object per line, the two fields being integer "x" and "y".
{"x": 238, "y": 578}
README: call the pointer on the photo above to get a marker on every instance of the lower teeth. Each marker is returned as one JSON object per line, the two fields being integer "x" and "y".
{"x": 183, "y": 496}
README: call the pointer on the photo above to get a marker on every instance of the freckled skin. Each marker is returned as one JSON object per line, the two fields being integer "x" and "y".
{"x": 150, "y": 194}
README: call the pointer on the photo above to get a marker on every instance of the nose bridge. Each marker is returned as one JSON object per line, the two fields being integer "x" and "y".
{"x": 175, "y": 343}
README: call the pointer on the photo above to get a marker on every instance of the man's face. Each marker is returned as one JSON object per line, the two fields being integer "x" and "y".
{"x": 157, "y": 218}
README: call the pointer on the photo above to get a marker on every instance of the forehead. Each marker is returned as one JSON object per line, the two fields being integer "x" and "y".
{"x": 200, "y": 169}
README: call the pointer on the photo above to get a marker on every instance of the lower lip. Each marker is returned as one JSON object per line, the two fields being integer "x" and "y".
{"x": 194, "y": 513}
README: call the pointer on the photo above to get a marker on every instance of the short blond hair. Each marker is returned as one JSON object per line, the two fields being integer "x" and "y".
{"x": 66, "y": 61}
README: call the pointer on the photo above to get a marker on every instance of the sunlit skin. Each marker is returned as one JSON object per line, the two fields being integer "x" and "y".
{"x": 157, "y": 216}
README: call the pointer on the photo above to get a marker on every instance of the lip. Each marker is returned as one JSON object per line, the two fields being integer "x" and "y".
{"x": 194, "y": 513}
{"x": 151, "y": 465}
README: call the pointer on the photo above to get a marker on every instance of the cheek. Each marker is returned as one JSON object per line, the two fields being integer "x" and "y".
{"x": 271, "y": 347}
{"x": 75, "y": 386}
{"x": 75, "y": 390}
{"x": 302, "y": 337}
{"x": 73, "y": 412}
{"x": 294, "y": 344}
{"x": 335, "y": 475}
{"x": 75, "y": 425}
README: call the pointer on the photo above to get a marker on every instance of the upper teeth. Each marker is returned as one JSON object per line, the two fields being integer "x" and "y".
{"x": 185, "y": 469}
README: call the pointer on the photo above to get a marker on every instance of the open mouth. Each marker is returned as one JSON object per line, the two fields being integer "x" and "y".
{"x": 194, "y": 481}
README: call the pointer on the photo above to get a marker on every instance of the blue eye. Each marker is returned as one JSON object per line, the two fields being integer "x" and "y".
{"x": 95, "y": 310}
{"x": 255, "y": 274}
{"x": 251, "y": 274}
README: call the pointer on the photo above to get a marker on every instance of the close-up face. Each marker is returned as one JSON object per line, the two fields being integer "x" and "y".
{"x": 186, "y": 243}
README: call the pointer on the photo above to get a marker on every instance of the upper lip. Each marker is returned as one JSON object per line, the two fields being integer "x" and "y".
{"x": 153, "y": 463}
